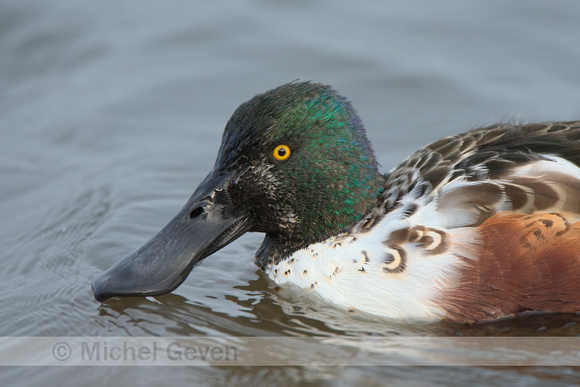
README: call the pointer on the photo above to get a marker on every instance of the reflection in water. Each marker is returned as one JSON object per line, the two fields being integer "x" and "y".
{"x": 270, "y": 313}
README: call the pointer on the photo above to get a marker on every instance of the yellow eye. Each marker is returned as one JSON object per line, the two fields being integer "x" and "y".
{"x": 281, "y": 152}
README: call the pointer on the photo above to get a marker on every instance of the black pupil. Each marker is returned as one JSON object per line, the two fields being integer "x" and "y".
{"x": 281, "y": 152}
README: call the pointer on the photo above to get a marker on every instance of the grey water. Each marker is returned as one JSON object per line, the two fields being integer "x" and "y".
{"x": 111, "y": 113}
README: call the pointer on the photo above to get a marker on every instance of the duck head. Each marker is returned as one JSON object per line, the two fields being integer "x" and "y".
{"x": 294, "y": 163}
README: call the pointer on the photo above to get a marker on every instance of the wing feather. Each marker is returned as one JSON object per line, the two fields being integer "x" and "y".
{"x": 529, "y": 168}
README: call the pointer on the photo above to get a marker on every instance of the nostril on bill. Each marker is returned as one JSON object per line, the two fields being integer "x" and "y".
{"x": 196, "y": 212}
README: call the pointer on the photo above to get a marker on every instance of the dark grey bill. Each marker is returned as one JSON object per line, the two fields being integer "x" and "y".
{"x": 206, "y": 223}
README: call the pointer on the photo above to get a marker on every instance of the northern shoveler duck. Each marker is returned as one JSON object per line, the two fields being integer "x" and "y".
{"x": 472, "y": 227}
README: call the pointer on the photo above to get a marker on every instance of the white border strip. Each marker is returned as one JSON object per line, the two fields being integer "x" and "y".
{"x": 290, "y": 351}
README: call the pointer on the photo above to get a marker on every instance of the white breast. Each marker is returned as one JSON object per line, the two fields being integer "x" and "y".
{"x": 360, "y": 272}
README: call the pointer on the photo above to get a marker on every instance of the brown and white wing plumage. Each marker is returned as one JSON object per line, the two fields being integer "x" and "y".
{"x": 491, "y": 154}
{"x": 525, "y": 263}
{"x": 515, "y": 190}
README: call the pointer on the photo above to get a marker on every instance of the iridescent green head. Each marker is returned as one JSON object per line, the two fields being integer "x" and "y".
{"x": 294, "y": 163}
{"x": 304, "y": 166}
